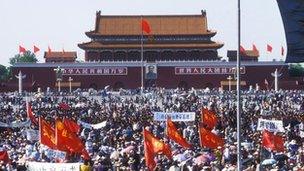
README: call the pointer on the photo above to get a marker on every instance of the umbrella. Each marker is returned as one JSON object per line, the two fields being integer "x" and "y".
{"x": 114, "y": 155}
{"x": 269, "y": 162}
{"x": 209, "y": 156}
{"x": 200, "y": 160}
{"x": 127, "y": 149}
{"x": 280, "y": 157}
{"x": 179, "y": 157}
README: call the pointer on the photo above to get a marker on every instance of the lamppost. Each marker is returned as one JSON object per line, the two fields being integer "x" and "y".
{"x": 229, "y": 82}
{"x": 59, "y": 72}
{"x": 70, "y": 82}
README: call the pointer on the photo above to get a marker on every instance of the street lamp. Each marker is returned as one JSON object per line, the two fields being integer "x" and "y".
{"x": 229, "y": 82}
{"x": 59, "y": 72}
{"x": 70, "y": 82}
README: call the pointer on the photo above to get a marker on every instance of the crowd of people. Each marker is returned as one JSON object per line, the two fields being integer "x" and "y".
{"x": 118, "y": 145}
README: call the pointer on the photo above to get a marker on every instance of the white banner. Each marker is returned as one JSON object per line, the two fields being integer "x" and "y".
{"x": 175, "y": 116}
{"x": 16, "y": 124}
{"x": 38, "y": 166}
{"x": 92, "y": 126}
{"x": 270, "y": 125}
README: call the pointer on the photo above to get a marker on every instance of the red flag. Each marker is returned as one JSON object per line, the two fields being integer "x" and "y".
{"x": 36, "y": 49}
{"x": 209, "y": 139}
{"x": 145, "y": 26}
{"x": 71, "y": 125}
{"x": 149, "y": 155}
{"x": 173, "y": 134}
{"x": 47, "y": 134}
{"x": 282, "y": 51}
{"x": 4, "y": 157}
{"x": 208, "y": 118}
{"x": 266, "y": 84}
{"x": 67, "y": 138}
{"x": 30, "y": 113}
{"x": 49, "y": 49}
{"x": 64, "y": 106}
{"x": 59, "y": 140}
{"x": 273, "y": 142}
{"x": 153, "y": 145}
{"x": 254, "y": 48}
{"x": 269, "y": 48}
{"x": 22, "y": 49}
{"x": 242, "y": 50}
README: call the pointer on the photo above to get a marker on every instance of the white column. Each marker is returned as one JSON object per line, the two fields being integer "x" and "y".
{"x": 20, "y": 77}
{"x": 229, "y": 82}
{"x": 59, "y": 85}
{"x": 276, "y": 76}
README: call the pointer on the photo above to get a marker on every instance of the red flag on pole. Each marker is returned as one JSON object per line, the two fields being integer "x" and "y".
{"x": 152, "y": 146}
{"x": 254, "y": 48}
{"x": 266, "y": 84}
{"x": 273, "y": 142}
{"x": 66, "y": 138}
{"x": 269, "y": 48}
{"x": 208, "y": 118}
{"x": 36, "y": 49}
{"x": 149, "y": 153}
{"x": 22, "y": 49}
{"x": 145, "y": 26}
{"x": 173, "y": 134}
{"x": 30, "y": 113}
{"x": 209, "y": 139}
{"x": 242, "y": 50}
{"x": 282, "y": 51}
{"x": 49, "y": 49}
{"x": 47, "y": 134}
{"x": 71, "y": 125}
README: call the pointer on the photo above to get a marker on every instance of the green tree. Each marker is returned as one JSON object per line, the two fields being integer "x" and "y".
{"x": 296, "y": 70}
{"x": 3, "y": 73}
{"x": 28, "y": 57}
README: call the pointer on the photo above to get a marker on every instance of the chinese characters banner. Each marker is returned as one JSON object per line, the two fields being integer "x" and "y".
{"x": 96, "y": 71}
{"x": 206, "y": 70}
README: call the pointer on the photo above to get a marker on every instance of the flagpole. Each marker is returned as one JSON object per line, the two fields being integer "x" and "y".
{"x": 238, "y": 114}
{"x": 166, "y": 134}
{"x": 142, "y": 56}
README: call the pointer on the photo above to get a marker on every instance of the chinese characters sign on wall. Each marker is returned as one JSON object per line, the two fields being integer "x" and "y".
{"x": 96, "y": 71}
{"x": 206, "y": 70}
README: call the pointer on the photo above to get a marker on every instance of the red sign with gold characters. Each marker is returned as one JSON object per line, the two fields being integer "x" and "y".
{"x": 206, "y": 70}
{"x": 96, "y": 71}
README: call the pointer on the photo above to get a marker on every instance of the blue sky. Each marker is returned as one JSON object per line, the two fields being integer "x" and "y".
{"x": 62, "y": 23}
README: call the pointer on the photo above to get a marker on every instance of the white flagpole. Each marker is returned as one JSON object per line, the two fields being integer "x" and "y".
{"x": 142, "y": 55}
{"x": 238, "y": 114}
